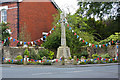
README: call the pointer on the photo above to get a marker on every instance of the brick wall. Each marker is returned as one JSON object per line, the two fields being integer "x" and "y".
{"x": 37, "y": 16}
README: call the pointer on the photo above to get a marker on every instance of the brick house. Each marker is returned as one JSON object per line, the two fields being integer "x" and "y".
{"x": 37, "y": 16}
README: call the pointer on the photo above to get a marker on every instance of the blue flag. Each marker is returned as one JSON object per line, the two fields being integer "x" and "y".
{"x": 21, "y": 60}
{"x": 77, "y": 36}
{"x": 52, "y": 28}
{"x": 107, "y": 45}
{"x": 69, "y": 28}
{"x": 44, "y": 36}
{"x": 24, "y": 42}
{"x": 13, "y": 40}
{"x": 86, "y": 42}
{"x": 96, "y": 46}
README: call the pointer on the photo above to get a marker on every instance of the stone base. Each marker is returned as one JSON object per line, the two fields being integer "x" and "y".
{"x": 61, "y": 53}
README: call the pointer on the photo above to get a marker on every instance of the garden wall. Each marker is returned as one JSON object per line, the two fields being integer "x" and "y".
{"x": 13, "y": 52}
{"x": 111, "y": 50}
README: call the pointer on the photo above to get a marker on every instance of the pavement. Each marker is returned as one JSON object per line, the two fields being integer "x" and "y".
{"x": 60, "y": 71}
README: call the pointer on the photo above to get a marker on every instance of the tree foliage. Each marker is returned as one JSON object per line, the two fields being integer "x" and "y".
{"x": 4, "y": 33}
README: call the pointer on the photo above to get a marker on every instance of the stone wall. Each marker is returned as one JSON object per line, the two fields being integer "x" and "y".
{"x": 13, "y": 52}
{"x": 111, "y": 50}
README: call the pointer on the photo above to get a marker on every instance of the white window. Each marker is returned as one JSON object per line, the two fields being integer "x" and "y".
{"x": 3, "y": 15}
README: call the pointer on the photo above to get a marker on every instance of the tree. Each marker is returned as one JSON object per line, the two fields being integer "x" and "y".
{"x": 98, "y": 9}
{"x": 4, "y": 33}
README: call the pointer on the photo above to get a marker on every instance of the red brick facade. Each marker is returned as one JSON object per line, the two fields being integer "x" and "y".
{"x": 36, "y": 15}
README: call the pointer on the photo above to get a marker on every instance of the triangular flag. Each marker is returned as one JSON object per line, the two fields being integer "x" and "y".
{"x": 92, "y": 45}
{"x": 103, "y": 45}
{"x": 96, "y": 46}
{"x": 72, "y": 30}
{"x": 10, "y": 38}
{"x": 89, "y": 44}
{"x": 47, "y": 34}
{"x": 50, "y": 32}
{"x": 17, "y": 41}
{"x": 24, "y": 42}
{"x": 52, "y": 28}
{"x": 41, "y": 39}
{"x": 32, "y": 42}
{"x": 68, "y": 25}
{"x": 28, "y": 43}
{"x": 80, "y": 39}
{"x": 38, "y": 40}
{"x": 112, "y": 41}
{"x": 86, "y": 43}
{"x": 107, "y": 45}
{"x": 44, "y": 36}
{"x": 83, "y": 41}
{"x": 2, "y": 42}
{"x": 100, "y": 46}
{"x": 13, "y": 40}
{"x": 20, "y": 42}
{"x": 75, "y": 34}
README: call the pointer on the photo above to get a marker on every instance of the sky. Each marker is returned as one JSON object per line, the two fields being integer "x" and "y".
{"x": 67, "y": 5}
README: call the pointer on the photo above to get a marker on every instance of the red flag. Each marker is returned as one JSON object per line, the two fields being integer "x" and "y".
{"x": 17, "y": 41}
{"x": 113, "y": 59}
{"x": 38, "y": 40}
{"x": 28, "y": 43}
{"x": 56, "y": 60}
{"x": 68, "y": 25}
{"x": 83, "y": 41}
{"x": 8, "y": 38}
{"x": 112, "y": 41}
{"x": 47, "y": 34}
{"x": 9, "y": 60}
{"x": 98, "y": 58}
{"x": 2, "y": 42}
{"x": 54, "y": 26}
{"x": 103, "y": 45}
{"x": 75, "y": 34}
{"x": 92, "y": 45}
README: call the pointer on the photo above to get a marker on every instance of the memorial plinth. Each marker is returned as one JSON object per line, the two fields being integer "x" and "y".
{"x": 63, "y": 50}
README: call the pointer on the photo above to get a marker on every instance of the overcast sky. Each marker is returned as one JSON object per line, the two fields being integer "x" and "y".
{"x": 68, "y": 4}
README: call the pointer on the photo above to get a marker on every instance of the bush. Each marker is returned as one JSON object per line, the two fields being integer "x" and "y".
{"x": 95, "y": 55}
{"x": 26, "y": 52}
{"x": 19, "y": 57}
{"x": 51, "y": 54}
{"x": 83, "y": 63}
{"x": 34, "y": 55}
{"x": 105, "y": 55}
{"x": 43, "y": 52}
{"x": 47, "y": 63}
{"x": 84, "y": 53}
{"x": 75, "y": 60}
{"x": 18, "y": 62}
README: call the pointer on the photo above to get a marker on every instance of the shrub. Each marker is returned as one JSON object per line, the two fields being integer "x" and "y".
{"x": 83, "y": 63}
{"x": 26, "y": 52}
{"x": 95, "y": 55}
{"x": 105, "y": 55}
{"x": 43, "y": 52}
{"x": 75, "y": 60}
{"x": 84, "y": 53}
{"x": 34, "y": 55}
{"x": 18, "y": 62}
{"x": 19, "y": 57}
{"x": 63, "y": 62}
{"x": 51, "y": 54}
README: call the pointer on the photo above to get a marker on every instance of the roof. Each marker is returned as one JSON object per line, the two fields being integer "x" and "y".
{"x": 52, "y": 1}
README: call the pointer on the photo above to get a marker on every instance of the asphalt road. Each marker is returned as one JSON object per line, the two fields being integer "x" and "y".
{"x": 60, "y": 72}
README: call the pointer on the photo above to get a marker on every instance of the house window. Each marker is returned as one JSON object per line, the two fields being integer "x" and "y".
{"x": 3, "y": 15}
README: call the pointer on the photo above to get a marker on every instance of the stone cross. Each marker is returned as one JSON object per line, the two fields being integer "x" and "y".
{"x": 63, "y": 50}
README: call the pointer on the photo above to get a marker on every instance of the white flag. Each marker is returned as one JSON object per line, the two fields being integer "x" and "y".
{"x": 42, "y": 39}
{"x": 4, "y": 40}
{"x": 20, "y": 42}
{"x": 80, "y": 39}
{"x": 32, "y": 42}
{"x": 72, "y": 30}
{"x": 50, "y": 32}
{"x": 89, "y": 44}
{"x": 100, "y": 46}
{"x": 109, "y": 43}
{"x": 10, "y": 38}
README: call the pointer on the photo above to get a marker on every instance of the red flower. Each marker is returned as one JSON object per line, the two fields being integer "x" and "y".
{"x": 98, "y": 58}
{"x": 56, "y": 60}
{"x": 103, "y": 45}
{"x": 77, "y": 59}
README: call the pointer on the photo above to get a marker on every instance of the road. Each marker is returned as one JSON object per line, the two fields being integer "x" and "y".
{"x": 60, "y": 72}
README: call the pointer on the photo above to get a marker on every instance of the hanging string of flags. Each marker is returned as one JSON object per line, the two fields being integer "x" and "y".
{"x": 90, "y": 44}
{"x": 29, "y": 42}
